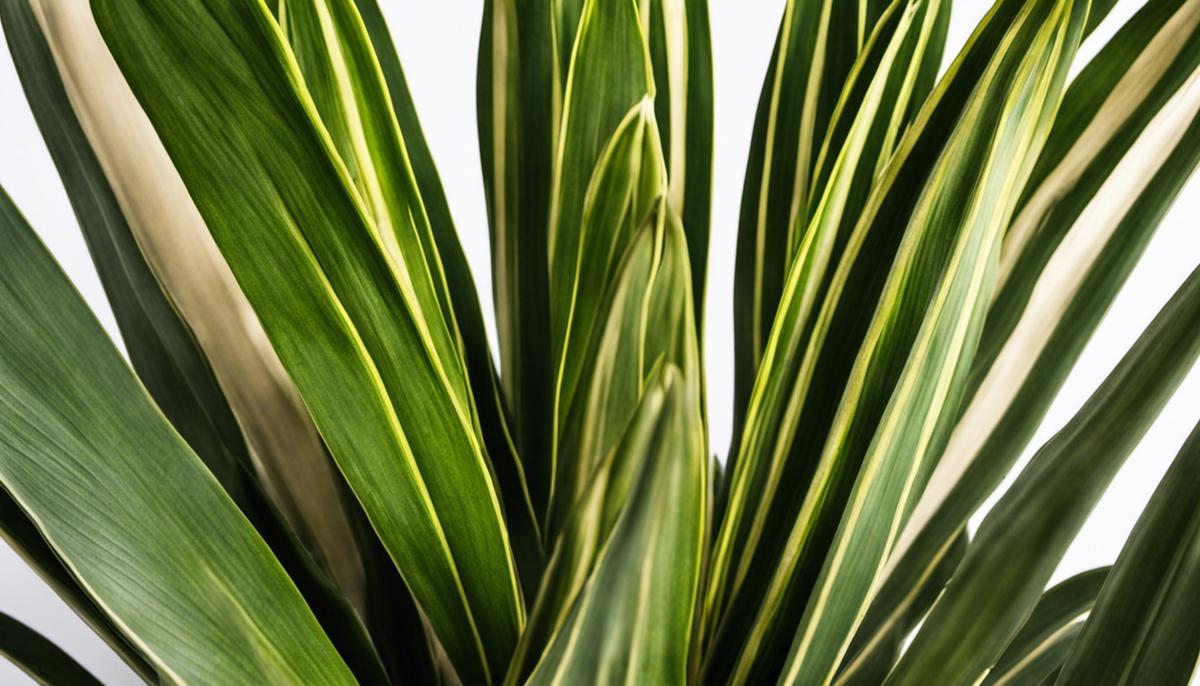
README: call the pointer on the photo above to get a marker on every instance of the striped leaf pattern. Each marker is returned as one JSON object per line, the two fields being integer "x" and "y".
{"x": 413, "y": 441}
{"x": 1041, "y": 319}
{"x": 814, "y": 52}
{"x": 316, "y": 471}
{"x": 1023, "y": 538}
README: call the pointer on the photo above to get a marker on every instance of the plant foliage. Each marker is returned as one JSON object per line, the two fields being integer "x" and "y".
{"x": 307, "y": 466}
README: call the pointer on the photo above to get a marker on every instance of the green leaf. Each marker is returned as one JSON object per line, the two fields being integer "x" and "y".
{"x": 608, "y": 170}
{"x": 905, "y": 440}
{"x": 625, "y": 187}
{"x": 464, "y": 299}
{"x": 1131, "y": 114}
{"x": 132, "y": 512}
{"x": 43, "y": 661}
{"x": 519, "y": 99}
{"x": 289, "y": 457}
{"x": 369, "y": 348}
{"x": 648, "y": 326}
{"x": 633, "y": 620}
{"x": 677, "y": 32}
{"x": 848, "y": 374}
{"x": 1041, "y": 646}
{"x": 24, "y": 538}
{"x": 165, "y": 354}
{"x": 1025, "y": 535}
{"x": 814, "y": 51}
{"x": 882, "y": 633}
{"x": 1143, "y": 629}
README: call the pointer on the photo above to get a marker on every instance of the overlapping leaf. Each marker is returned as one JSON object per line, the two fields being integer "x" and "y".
{"x": 633, "y": 621}
{"x": 485, "y": 382}
{"x": 1042, "y": 644}
{"x": 118, "y": 496}
{"x": 1127, "y": 139}
{"x": 1143, "y": 629}
{"x": 648, "y": 327}
{"x": 814, "y": 51}
{"x": 626, "y": 184}
{"x": 131, "y": 186}
{"x": 369, "y": 347}
{"x": 1026, "y": 534}
{"x": 932, "y": 304}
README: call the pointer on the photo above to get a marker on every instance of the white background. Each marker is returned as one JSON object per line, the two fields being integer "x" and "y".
{"x": 437, "y": 43}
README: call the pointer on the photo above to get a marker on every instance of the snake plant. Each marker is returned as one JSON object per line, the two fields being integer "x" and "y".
{"x": 310, "y": 466}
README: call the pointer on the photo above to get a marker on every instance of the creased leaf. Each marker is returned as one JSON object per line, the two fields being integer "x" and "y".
{"x": 632, "y": 622}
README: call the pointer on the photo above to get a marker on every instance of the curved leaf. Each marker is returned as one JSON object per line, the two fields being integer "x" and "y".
{"x": 375, "y": 361}
{"x": 43, "y": 661}
{"x": 632, "y": 622}
{"x": 1025, "y": 535}
{"x": 131, "y": 511}
{"x": 1143, "y": 629}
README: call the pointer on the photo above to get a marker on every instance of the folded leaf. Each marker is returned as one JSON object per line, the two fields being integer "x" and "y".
{"x": 633, "y": 621}
{"x": 623, "y": 191}
{"x": 376, "y": 364}
{"x": 648, "y": 327}
{"x": 43, "y": 661}
{"x": 677, "y": 32}
{"x": 1023, "y": 538}
{"x": 122, "y": 500}
{"x": 1143, "y": 629}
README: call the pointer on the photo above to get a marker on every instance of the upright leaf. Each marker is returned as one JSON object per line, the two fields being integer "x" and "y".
{"x": 120, "y": 498}
{"x": 1130, "y": 115}
{"x": 814, "y": 51}
{"x": 376, "y": 362}
{"x": 681, "y": 54}
{"x": 911, "y": 278}
{"x": 519, "y": 100}
{"x": 1143, "y": 629}
{"x": 288, "y": 453}
{"x": 632, "y": 623}
{"x": 1026, "y": 534}
{"x": 649, "y": 326}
